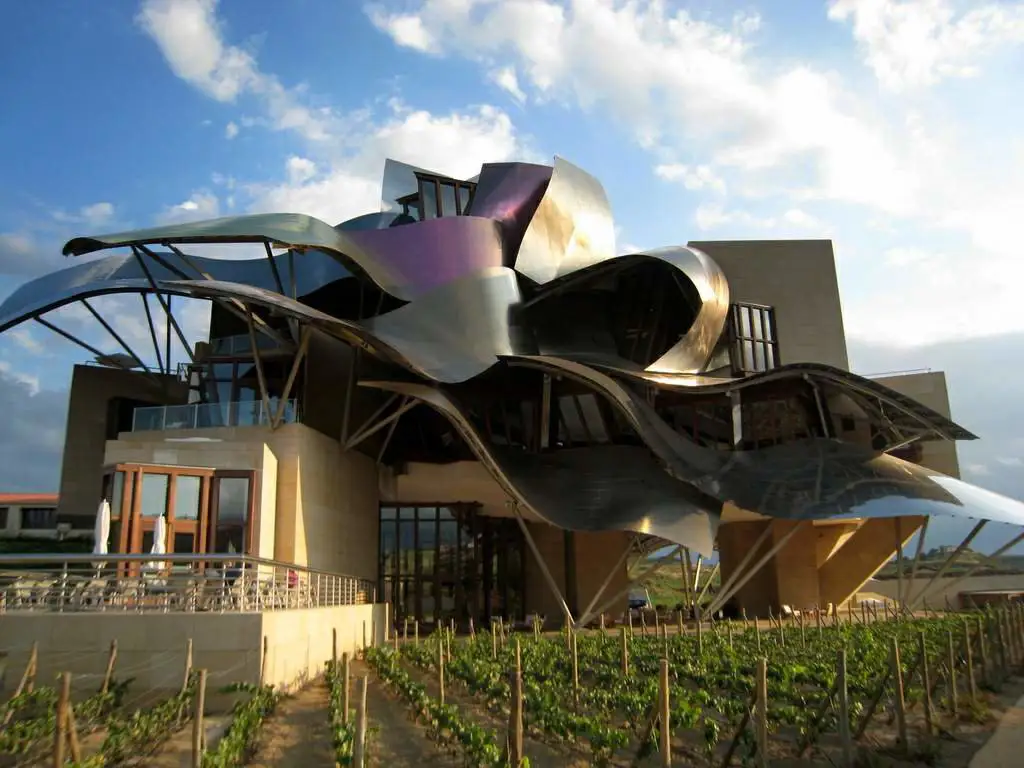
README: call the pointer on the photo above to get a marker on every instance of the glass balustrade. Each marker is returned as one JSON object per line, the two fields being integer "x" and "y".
{"x": 244, "y": 413}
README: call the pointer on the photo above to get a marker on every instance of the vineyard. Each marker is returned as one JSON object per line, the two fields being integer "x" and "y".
{"x": 851, "y": 692}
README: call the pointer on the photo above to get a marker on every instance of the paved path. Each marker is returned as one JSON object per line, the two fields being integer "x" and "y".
{"x": 1006, "y": 746}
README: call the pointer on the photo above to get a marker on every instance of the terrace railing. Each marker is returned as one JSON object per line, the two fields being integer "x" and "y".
{"x": 170, "y": 584}
{"x": 242, "y": 413}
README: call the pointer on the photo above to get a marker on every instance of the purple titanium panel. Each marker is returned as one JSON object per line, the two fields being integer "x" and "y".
{"x": 509, "y": 193}
{"x": 422, "y": 256}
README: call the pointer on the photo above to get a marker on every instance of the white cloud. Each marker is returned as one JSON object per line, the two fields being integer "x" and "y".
{"x": 455, "y": 144}
{"x": 231, "y": 130}
{"x": 685, "y": 83}
{"x": 201, "y": 205}
{"x": 300, "y": 169}
{"x": 714, "y": 216}
{"x": 914, "y": 44}
{"x": 507, "y": 79}
{"x": 190, "y": 37}
{"x": 31, "y": 383}
{"x": 697, "y": 177}
{"x": 800, "y": 218}
{"x": 17, "y": 243}
{"x": 24, "y": 339}
{"x": 97, "y": 213}
{"x": 406, "y": 29}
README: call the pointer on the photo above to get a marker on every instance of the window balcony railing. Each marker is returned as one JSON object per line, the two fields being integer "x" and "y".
{"x": 244, "y": 413}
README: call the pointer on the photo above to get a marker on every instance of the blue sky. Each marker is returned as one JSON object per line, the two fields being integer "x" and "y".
{"x": 892, "y": 127}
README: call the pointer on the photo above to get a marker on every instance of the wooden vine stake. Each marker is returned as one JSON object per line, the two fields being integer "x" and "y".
{"x": 264, "y": 662}
{"x": 665, "y": 706}
{"x": 27, "y": 680}
{"x": 345, "y": 708}
{"x": 625, "y": 653}
{"x": 575, "y": 669}
{"x": 898, "y": 701}
{"x": 188, "y": 664}
{"x": 515, "y": 723}
{"x": 986, "y": 676}
{"x": 359, "y": 745}
{"x": 926, "y": 681}
{"x": 73, "y": 744}
{"x": 111, "y": 661}
{"x": 60, "y": 734}
{"x": 198, "y": 727}
{"x": 700, "y": 635}
{"x": 416, "y": 631}
{"x": 844, "y": 710}
{"x": 440, "y": 669}
{"x": 972, "y": 687}
{"x": 494, "y": 642}
{"x": 761, "y": 713}
{"x": 951, "y": 661}
{"x": 334, "y": 648}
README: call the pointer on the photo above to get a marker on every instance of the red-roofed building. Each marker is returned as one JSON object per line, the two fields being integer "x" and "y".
{"x": 34, "y": 516}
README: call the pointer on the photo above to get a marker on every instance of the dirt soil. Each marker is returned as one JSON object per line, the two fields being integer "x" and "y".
{"x": 298, "y": 733}
{"x": 395, "y": 741}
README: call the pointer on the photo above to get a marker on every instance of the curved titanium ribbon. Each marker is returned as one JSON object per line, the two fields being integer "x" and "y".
{"x": 527, "y": 282}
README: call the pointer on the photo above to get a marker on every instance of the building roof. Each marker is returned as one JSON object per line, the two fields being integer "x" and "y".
{"x": 28, "y": 499}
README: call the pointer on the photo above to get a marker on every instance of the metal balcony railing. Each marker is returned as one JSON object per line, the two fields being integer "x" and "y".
{"x": 170, "y": 583}
{"x": 244, "y": 413}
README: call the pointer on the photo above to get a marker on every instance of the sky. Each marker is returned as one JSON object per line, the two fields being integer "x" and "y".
{"x": 891, "y": 127}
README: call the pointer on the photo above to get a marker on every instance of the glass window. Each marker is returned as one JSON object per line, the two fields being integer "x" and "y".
{"x": 186, "y": 497}
{"x": 754, "y": 347}
{"x": 38, "y": 517}
{"x": 387, "y": 513}
{"x": 232, "y": 500}
{"x": 154, "y": 495}
{"x": 116, "y": 494}
{"x": 463, "y": 199}
{"x": 448, "y": 205}
{"x": 428, "y": 194}
{"x": 407, "y": 513}
{"x": 184, "y": 543}
{"x": 3, "y": 517}
{"x": 147, "y": 541}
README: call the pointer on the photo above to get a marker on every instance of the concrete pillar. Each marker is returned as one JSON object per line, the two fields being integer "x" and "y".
{"x": 861, "y": 556}
{"x": 795, "y": 566}
{"x": 734, "y": 543}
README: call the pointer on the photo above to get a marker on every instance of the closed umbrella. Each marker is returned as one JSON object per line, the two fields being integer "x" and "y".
{"x": 159, "y": 541}
{"x": 101, "y": 531}
{"x": 102, "y": 528}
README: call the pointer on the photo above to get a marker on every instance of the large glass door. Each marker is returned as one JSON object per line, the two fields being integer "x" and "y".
{"x": 206, "y": 510}
{"x": 444, "y": 563}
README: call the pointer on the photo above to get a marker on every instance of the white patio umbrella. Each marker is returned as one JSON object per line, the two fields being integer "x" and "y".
{"x": 159, "y": 542}
{"x": 101, "y": 531}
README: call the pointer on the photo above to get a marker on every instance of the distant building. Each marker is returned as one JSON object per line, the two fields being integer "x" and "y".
{"x": 35, "y": 516}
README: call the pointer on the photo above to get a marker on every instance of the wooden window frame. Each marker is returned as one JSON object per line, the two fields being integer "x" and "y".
{"x": 252, "y": 513}
{"x": 128, "y": 509}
